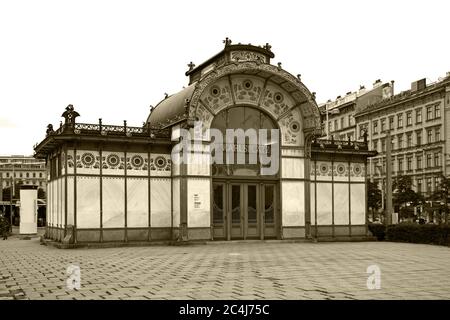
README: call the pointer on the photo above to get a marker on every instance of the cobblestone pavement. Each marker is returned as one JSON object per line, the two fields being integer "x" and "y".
{"x": 259, "y": 270}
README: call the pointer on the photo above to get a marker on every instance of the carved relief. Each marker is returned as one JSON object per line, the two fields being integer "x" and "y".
{"x": 160, "y": 162}
{"x": 290, "y": 126}
{"x": 87, "y": 160}
{"x": 247, "y": 89}
{"x": 357, "y": 170}
{"x": 340, "y": 169}
{"x": 218, "y": 96}
{"x": 247, "y": 56}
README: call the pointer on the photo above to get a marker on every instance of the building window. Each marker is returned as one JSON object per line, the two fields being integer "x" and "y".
{"x": 400, "y": 120}
{"x": 400, "y": 164}
{"x": 329, "y": 127}
{"x": 375, "y": 144}
{"x": 419, "y": 186}
{"x": 430, "y": 136}
{"x": 429, "y": 160}
{"x": 409, "y": 140}
{"x": 28, "y": 175}
{"x": 21, "y": 175}
{"x": 40, "y": 183}
{"x": 391, "y": 123}
{"x": 375, "y": 127}
{"x": 400, "y": 141}
{"x": 40, "y": 174}
{"x": 336, "y": 125}
{"x": 428, "y": 185}
{"x": 383, "y": 125}
{"x": 383, "y": 145}
{"x": 437, "y": 134}
{"x": 342, "y": 123}
{"x": 419, "y": 138}
{"x": 362, "y": 129}
{"x": 437, "y": 159}
{"x": 418, "y": 115}
{"x": 419, "y": 162}
{"x": 34, "y": 174}
{"x": 429, "y": 113}
{"x": 409, "y": 163}
{"x": 392, "y": 144}
{"x": 437, "y": 111}
{"x": 7, "y": 174}
{"x": 408, "y": 118}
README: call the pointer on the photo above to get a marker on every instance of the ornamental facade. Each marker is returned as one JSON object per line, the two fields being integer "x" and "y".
{"x": 122, "y": 184}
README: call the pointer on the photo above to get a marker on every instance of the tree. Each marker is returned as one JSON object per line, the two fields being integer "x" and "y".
{"x": 404, "y": 197}
{"x": 374, "y": 197}
{"x": 442, "y": 197}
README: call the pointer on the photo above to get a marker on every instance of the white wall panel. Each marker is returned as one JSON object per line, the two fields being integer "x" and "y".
{"x": 88, "y": 202}
{"x": 313, "y": 207}
{"x": 84, "y": 167}
{"x": 176, "y": 201}
{"x": 137, "y": 164}
{"x": 341, "y": 203}
{"x": 113, "y": 202}
{"x": 70, "y": 197}
{"x": 199, "y": 193}
{"x": 293, "y": 168}
{"x": 161, "y": 202}
{"x": 293, "y": 203}
{"x": 137, "y": 202}
{"x": 112, "y": 166}
{"x": 358, "y": 204}
{"x": 324, "y": 204}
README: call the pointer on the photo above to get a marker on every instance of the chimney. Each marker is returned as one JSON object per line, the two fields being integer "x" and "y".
{"x": 418, "y": 85}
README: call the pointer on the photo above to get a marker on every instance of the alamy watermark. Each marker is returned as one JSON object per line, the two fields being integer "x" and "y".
{"x": 374, "y": 279}
{"x": 239, "y": 146}
{"x": 74, "y": 279}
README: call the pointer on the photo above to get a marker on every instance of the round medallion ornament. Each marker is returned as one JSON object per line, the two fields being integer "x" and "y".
{"x": 340, "y": 168}
{"x": 160, "y": 162}
{"x": 113, "y": 160}
{"x": 88, "y": 159}
{"x": 215, "y": 91}
{"x": 294, "y": 126}
{"x": 324, "y": 168}
{"x": 357, "y": 169}
{"x": 247, "y": 84}
{"x": 137, "y": 161}
{"x": 278, "y": 97}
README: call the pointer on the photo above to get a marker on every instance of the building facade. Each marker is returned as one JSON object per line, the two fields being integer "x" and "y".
{"x": 124, "y": 184}
{"x": 24, "y": 170}
{"x": 419, "y": 124}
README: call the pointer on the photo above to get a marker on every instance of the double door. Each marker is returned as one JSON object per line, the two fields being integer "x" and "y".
{"x": 244, "y": 210}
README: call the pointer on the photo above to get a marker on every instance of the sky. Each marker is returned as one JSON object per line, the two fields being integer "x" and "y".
{"x": 113, "y": 59}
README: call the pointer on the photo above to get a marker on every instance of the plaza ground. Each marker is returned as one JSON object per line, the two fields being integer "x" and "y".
{"x": 260, "y": 270}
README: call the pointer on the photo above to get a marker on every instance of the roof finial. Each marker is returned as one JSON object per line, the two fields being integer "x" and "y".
{"x": 191, "y": 65}
{"x": 267, "y": 47}
{"x": 279, "y": 66}
{"x": 166, "y": 95}
{"x": 299, "y": 77}
{"x": 227, "y": 41}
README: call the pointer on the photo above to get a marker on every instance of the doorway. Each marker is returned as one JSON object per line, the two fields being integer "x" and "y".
{"x": 244, "y": 210}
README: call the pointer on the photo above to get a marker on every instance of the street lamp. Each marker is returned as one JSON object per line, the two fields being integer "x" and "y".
{"x": 332, "y": 111}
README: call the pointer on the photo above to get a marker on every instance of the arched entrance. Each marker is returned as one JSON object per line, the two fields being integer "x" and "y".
{"x": 244, "y": 201}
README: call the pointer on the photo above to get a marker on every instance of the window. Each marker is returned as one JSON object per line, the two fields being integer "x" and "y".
{"x": 400, "y": 141}
{"x": 419, "y": 138}
{"x": 419, "y": 185}
{"x": 21, "y": 175}
{"x": 391, "y": 123}
{"x": 40, "y": 174}
{"x": 375, "y": 127}
{"x": 329, "y": 127}
{"x": 437, "y": 134}
{"x": 408, "y": 118}
{"x": 409, "y": 140}
{"x": 409, "y": 163}
{"x": 383, "y": 125}
{"x": 429, "y": 113}
{"x": 336, "y": 125}
{"x": 375, "y": 145}
{"x": 7, "y": 174}
{"x": 362, "y": 129}
{"x": 429, "y": 160}
{"x": 418, "y": 115}
{"x": 28, "y": 175}
{"x": 437, "y": 111}
{"x": 400, "y": 120}
{"x": 34, "y": 174}
{"x": 383, "y": 145}
{"x": 392, "y": 144}
{"x": 419, "y": 162}
{"x": 430, "y": 136}
{"x": 40, "y": 183}
{"x": 437, "y": 159}
{"x": 400, "y": 164}
{"x": 437, "y": 183}
{"x": 428, "y": 185}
